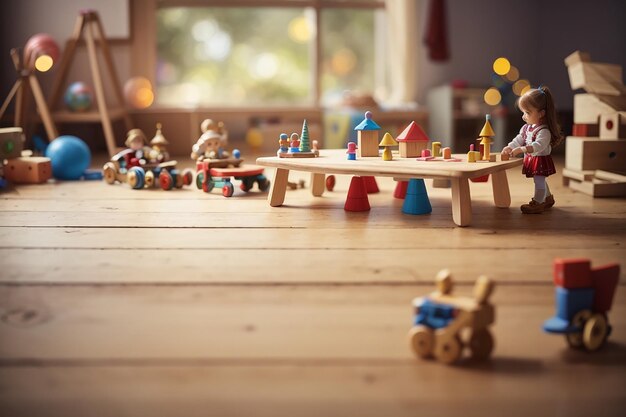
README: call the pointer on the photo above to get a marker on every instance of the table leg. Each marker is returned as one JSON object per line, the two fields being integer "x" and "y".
{"x": 318, "y": 184}
{"x": 461, "y": 202}
{"x": 501, "y": 193}
{"x": 279, "y": 187}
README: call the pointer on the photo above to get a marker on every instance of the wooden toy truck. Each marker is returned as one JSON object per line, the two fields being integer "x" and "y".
{"x": 440, "y": 317}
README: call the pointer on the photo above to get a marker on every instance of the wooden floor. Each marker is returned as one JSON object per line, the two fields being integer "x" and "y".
{"x": 116, "y": 302}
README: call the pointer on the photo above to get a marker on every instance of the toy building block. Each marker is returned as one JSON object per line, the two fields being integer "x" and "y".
{"x": 400, "y": 190}
{"x": 589, "y": 107}
{"x": 416, "y": 200}
{"x": 412, "y": 141}
{"x": 441, "y": 317}
{"x": 330, "y": 182}
{"x": 11, "y": 142}
{"x": 612, "y": 125}
{"x": 300, "y": 147}
{"x": 486, "y": 138}
{"x": 367, "y": 136}
{"x": 425, "y": 155}
{"x": 581, "y": 312}
{"x": 594, "y": 77}
{"x": 436, "y": 149}
{"x": 592, "y": 153}
{"x": 585, "y": 130}
{"x": 370, "y": 184}
{"x": 357, "y": 196}
{"x": 387, "y": 142}
{"x": 28, "y": 170}
{"x": 472, "y": 154}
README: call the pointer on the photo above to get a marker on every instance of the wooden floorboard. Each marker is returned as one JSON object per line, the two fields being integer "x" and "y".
{"x": 121, "y": 302}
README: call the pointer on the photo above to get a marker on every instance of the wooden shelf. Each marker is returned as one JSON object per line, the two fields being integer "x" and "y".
{"x": 65, "y": 116}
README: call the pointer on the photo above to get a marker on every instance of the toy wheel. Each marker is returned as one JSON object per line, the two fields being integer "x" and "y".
{"x": 448, "y": 351}
{"x": 422, "y": 339}
{"x": 187, "y": 177}
{"x": 246, "y": 184}
{"x": 109, "y": 172}
{"x": 330, "y": 182}
{"x": 136, "y": 178}
{"x": 180, "y": 181}
{"x": 263, "y": 182}
{"x": 481, "y": 344}
{"x": 228, "y": 189}
{"x": 575, "y": 340}
{"x": 199, "y": 180}
{"x": 149, "y": 179}
{"x": 165, "y": 180}
{"x": 595, "y": 332}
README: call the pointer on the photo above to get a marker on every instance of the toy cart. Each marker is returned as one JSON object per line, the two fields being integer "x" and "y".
{"x": 210, "y": 176}
{"x": 583, "y": 298}
{"x": 440, "y": 318}
{"x": 144, "y": 176}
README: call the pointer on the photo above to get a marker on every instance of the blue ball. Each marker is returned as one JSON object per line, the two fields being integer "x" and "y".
{"x": 70, "y": 157}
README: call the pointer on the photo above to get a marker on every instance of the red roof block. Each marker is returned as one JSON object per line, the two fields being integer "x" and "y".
{"x": 412, "y": 133}
{"x": 605, "y": 280}
{"x": 572, "y": 273}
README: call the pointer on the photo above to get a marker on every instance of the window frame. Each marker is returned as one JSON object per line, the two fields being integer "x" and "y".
{"x": 143, "y": 18}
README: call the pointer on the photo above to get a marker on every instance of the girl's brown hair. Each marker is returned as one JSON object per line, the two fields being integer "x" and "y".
{"x": 541, "y": 99}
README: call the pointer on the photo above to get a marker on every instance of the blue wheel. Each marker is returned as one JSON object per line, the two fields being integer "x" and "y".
{"x": 136, "y": 178}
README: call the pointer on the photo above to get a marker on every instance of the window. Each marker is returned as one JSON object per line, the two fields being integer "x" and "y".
{"x": 264, "y": 54}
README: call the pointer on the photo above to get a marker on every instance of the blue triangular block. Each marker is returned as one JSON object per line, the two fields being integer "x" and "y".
{"x": 416, "y": 200}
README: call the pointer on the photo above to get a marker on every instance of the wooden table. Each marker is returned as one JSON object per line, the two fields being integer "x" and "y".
{"x": 333, "y": 161}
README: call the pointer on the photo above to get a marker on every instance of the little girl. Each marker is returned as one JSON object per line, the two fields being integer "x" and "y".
{"x": 535, "y": 140}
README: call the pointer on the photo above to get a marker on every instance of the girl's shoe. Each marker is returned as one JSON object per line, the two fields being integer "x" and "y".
{"x": 533, "y": 207}
{"x": 549, "y": 201}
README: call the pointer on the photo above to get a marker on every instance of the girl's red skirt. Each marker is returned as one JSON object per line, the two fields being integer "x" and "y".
{"x": 538, "y": 165}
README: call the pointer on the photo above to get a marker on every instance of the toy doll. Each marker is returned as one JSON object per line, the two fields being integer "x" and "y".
{"x": 535, "y": 140}
{"x": 136, "y": 141}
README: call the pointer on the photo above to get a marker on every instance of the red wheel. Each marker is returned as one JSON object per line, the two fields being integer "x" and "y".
{"x": 228, "y": 190}
{"x": 165, "y": 180}
{"x": 187, "y": 177}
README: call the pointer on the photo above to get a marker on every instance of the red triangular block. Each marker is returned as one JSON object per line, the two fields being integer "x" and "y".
{"x": 400, "y": 191}
{"x": 357, "y": 196}
{"x": 370, "y": 185}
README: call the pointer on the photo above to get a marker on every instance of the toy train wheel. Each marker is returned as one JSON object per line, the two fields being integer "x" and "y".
{"x": 228, "y": 189}
{"x": 575, "y": 340}
{"x": 422, "y": 339}
{"x": 187, "y": 176}
{"x": 448, "y": 351}
{"x": 136, "y": 178}
{"x": 180, "y": 180}
{"x": 199, "y": 180}
{"x": 330, "y": 182}
{"x": 246, "y": 184}
{"x": 165, "y": 180}
{"x": 149, "y": 179}
{"x": 481, "y": 344}
{"x": 263, "y": 182}
{"x": 109, "y": 172}
{"x": 595, "y": 332}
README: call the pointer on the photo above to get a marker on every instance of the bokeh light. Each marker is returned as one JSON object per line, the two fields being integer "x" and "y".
{"x": 265, "y": 66}
{"x": 43, "y": 63}
{"x": 138, "y": 92}
{"x": 343, "y": 61}
{"x": 513, "y": 74}
{"x": 520, "y": 87}
{"x": 299, "y": 30}
{"x": 501, "y": 66}
{"x": 492, "y": 96}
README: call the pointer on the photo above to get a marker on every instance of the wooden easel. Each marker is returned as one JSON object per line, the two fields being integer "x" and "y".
{"x": 27, "y": 80}
{"x": 89, "y": 24}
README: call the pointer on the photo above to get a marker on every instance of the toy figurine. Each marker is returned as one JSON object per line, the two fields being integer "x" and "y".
{"x": 351, "y": 151}
{"x": 440, "y": 318}
{"x": 136, "y": 141}
{"x": 387, "y": 142}
{"x": 535, "y": 140}
{"x": 283, "y": 143}
{"x": 294, "y": 145}
{"x": 212, "y": 141}
{"x": 159, "y": 147}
